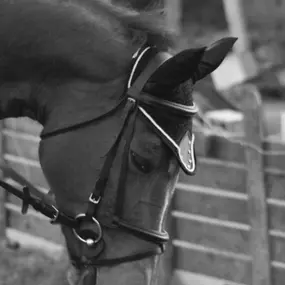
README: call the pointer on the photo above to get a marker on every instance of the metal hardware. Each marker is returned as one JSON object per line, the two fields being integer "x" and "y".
{"x": 89, "y": 241}
{"x": 94, "y": 200}
{"x": 55, "y": 217}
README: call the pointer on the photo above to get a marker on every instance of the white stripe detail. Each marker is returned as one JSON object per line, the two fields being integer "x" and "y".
{"x": 136, "y": 65}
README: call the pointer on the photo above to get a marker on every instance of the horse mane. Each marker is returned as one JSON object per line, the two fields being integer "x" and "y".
{"x": 151, "y": 20}
{"x": 74, "y": 38}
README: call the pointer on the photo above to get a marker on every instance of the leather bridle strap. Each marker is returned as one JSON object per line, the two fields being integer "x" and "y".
{"x": 122, "y": 186}
{"x": 11, "y": 173}
{"x": 137, "y": 87}
{"x": 116, "y": 261}
{"x": 39, "y": 205}
{"x": 94, "y": 264}
{"x": 85, "y": 123}
{"x": 124, "y": 165}
{"x": 176, "y": 108}
{"x": 102, "y": 181}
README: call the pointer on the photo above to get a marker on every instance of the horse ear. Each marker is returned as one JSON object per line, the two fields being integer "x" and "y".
{"x": 178, "y": 68}
{"x": 192, "y": 63}
{"x": 213, "y": 57}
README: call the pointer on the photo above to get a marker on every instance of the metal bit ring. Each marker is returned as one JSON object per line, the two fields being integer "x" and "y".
{"x": 89, "y": 241}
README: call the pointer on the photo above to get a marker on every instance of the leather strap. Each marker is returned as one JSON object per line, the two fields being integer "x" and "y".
{"x": 118, "y": 260}
{"x": 10, "y": 172}
{"x": 85, "y": 123}
{"x": 48, "y": 210}
{"x": 176, "y": 108}
{"x": 137, "y": 87}
{"x": 101, "y": 183}
{"x": 125, "y": 259}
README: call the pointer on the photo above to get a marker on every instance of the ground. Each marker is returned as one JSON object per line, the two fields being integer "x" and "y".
{"x": 30, "y": 267}
{"x": 22, "y": 267}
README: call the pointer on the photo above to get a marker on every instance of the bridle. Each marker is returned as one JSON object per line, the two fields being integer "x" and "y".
{"x": 136, "y": 100}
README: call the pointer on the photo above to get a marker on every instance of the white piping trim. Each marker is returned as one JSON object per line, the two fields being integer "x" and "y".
{"x": 136, "y": 65}
{"x": 173, "y": 143}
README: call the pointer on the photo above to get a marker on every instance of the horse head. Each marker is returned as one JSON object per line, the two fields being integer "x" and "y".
{"x": 116, "y": 108}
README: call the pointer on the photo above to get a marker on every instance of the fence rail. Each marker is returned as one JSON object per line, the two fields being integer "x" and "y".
{"x": 228, "y": 219}
{"x": 230, "y": 216}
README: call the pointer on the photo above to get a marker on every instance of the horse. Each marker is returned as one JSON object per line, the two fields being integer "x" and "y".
{"x": 115, "y": 103}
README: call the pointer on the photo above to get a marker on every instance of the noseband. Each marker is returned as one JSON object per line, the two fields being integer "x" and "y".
{"x": 135, "y": 100}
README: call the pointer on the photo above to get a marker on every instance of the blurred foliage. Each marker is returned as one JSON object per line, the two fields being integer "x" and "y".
{"x": 207, "y": 13}
{"x": 201, "y": 22}
{"x": 204, "y": 12}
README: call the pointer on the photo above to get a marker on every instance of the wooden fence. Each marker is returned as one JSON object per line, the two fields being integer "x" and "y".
{"x": 19, "y": 143}
{"x": 229, "y": 218}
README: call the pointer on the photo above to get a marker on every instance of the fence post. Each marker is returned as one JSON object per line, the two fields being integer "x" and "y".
{"x": 257, "y": 206}
{"x": 173, "y": 16}
{"x": 242, "y": 59}
{"x": 237, "y": 24}
{"x": 2, "y": 193}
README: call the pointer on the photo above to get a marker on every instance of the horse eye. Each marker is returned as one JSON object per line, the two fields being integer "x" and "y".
{"x": 142, "y": 164}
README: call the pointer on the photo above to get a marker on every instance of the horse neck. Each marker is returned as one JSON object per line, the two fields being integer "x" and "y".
{"x": 72, "y": 102}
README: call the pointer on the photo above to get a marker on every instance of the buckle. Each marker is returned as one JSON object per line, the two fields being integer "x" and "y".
{"x": 94, "y": 200}
{"x": 132, "y": 100}
{"x": 54, "y": 219}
